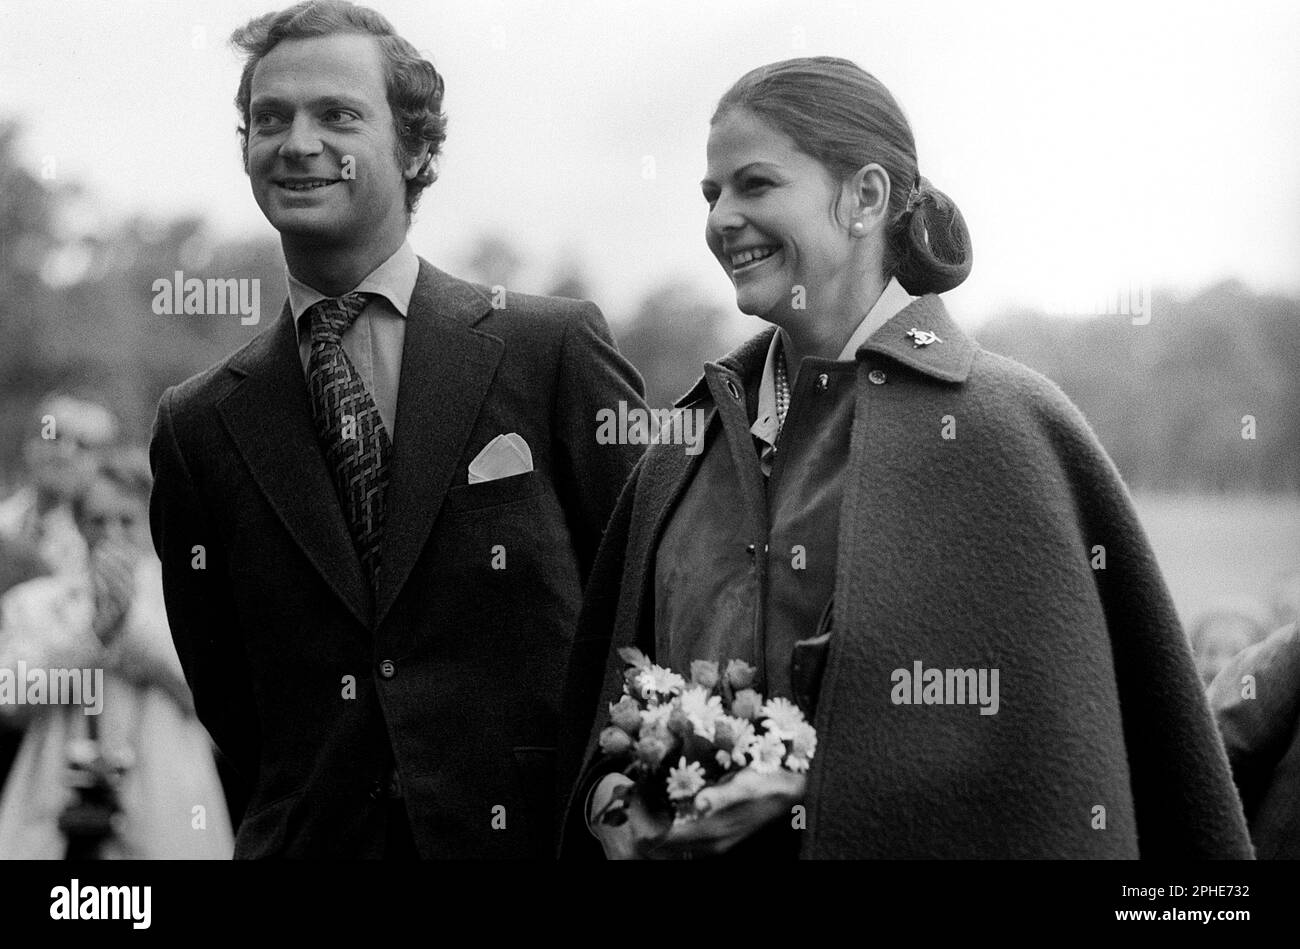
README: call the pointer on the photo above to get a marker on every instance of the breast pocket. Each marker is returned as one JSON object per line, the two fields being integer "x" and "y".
{"x": 475, "y": 497}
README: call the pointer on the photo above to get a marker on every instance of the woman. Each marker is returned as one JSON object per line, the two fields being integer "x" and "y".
{"x": 871, "y": 474}
{"x": 135, "y": 777}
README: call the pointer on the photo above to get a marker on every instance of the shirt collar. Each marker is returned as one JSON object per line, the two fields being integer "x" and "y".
{"x": 887, "y": 306}
{"x": 394, "y": 280}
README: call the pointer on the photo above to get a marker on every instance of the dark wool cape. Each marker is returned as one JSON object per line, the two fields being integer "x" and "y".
{"x": 979, "y": 551}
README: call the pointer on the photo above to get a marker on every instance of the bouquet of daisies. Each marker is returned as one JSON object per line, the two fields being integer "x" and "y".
{"x": 675, "y": 737}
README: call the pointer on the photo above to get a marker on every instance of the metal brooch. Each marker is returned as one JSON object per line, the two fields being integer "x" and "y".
{"x": 921, "y": 338}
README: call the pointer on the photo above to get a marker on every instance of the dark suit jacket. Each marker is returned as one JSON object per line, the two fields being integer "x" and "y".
{"x": 281, "y": 637}
{"x": 974, "y": 552}
{"x": 1260, "y": 723}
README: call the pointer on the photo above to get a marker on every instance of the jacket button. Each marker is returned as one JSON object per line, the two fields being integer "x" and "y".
{"x": 388, "y": 668}
{"x": 877, "y": 376}
{"x": 823, "y": 382}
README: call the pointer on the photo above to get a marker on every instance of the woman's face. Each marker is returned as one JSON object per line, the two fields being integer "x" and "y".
{"x": 772, "y": 221}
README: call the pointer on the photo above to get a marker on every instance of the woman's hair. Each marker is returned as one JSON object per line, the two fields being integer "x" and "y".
{"x": 414, "y": 87}
{"x": 841, "y": 115}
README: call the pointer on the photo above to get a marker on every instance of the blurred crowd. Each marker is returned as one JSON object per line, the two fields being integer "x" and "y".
{"x": 122, "y": 770}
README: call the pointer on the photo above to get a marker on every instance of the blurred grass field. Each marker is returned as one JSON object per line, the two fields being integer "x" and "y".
{"x": 1221, "y": 551}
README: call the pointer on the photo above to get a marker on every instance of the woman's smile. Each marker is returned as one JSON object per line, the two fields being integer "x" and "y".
{"x": 747, "y": 261}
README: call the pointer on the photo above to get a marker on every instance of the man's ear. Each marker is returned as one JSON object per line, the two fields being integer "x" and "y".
{"x": 416, "y": 164}
{"x": 869, "y": 196}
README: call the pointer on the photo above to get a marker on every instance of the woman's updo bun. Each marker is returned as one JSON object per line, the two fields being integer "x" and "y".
{"x": 928, "y": 245}
{"x": 844, "y": 117}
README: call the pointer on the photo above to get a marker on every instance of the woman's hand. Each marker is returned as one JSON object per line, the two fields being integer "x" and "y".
{"x": 731, "y": 811}
{"x": 728, "y": 813}
{"x": 638, "y": 835}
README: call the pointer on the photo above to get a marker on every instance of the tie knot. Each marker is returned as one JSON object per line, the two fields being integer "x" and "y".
{"x": 331, "y": 317}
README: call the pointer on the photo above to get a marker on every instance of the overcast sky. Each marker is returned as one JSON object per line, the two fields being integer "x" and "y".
{"x": 1086, "y": 147}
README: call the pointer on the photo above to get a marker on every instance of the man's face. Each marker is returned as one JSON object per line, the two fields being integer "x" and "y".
{"x": 322, "y": 149}
{"x": 59, "y": 466}
{"x": 112, "y": 515}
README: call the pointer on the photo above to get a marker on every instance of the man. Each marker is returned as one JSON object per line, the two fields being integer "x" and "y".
{"x": 36, "y": 524}
{"x": 376, "y": 517}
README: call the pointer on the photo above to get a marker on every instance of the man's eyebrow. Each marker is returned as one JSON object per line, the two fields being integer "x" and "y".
{"x": 739, "y": 172}
{"x": 330, "y": 101}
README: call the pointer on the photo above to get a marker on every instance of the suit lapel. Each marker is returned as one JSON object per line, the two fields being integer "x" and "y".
{"x": 269, "y": 417}
{"x": 447, "y": 369}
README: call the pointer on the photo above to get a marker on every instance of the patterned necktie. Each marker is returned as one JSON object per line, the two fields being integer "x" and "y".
{"x": 351, "y": 433}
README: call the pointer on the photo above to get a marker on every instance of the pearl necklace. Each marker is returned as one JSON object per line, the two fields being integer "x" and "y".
{"x": 782, "y": 392}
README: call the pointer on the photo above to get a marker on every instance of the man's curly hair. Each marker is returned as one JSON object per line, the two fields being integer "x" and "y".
{"x": 414, "y": 87}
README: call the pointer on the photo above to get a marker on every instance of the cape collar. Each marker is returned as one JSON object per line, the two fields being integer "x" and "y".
{"x": 947, "y": 359}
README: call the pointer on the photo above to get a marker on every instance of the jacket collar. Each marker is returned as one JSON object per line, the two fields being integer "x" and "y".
{"x": 948, "y": 359}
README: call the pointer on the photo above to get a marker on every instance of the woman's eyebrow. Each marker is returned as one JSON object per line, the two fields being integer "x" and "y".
{"x": 740, "y": 172}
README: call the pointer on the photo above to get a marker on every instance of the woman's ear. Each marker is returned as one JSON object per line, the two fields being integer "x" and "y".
{"x": 869, "y": 189}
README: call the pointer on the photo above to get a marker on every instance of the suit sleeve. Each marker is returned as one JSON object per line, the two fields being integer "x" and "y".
{"x": 593, "y": 375}
{"x": 595, "y": 677}
{"x": 1257, "y": 723}
{"x": 199, "y": 601}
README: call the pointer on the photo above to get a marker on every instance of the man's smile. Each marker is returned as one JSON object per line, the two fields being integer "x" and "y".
{"x": 306, "y": 184}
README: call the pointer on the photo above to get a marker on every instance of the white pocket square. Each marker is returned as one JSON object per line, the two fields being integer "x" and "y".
{"x": 502, "y": 457}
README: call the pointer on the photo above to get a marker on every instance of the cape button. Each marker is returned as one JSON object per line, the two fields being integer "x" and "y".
{"x": 387, "y": 669}
{"x": 877, "y": 377}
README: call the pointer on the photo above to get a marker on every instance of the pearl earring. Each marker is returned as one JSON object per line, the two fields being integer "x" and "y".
{"x": 858, "y": 228}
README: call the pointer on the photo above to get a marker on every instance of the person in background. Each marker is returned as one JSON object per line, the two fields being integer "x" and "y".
{"x": 109, "y": 616}
{"x": 67, "y": 433}
{"x": 1256, "y": 703}
{"x": 1220, "y": 634}
{"x": 37, "y": 533}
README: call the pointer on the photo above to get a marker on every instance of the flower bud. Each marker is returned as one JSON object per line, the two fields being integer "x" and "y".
{"x": 747, "y": 704}
{"x": 740, "y": 674}
{"x": 704, "y": 673}
{"x": 614, "y": 741}
{"x": 724, "y": 734}
{"x": 626, "y": 714}
{"x": 630, "y": 680}
{"x": 679, "y": 723}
